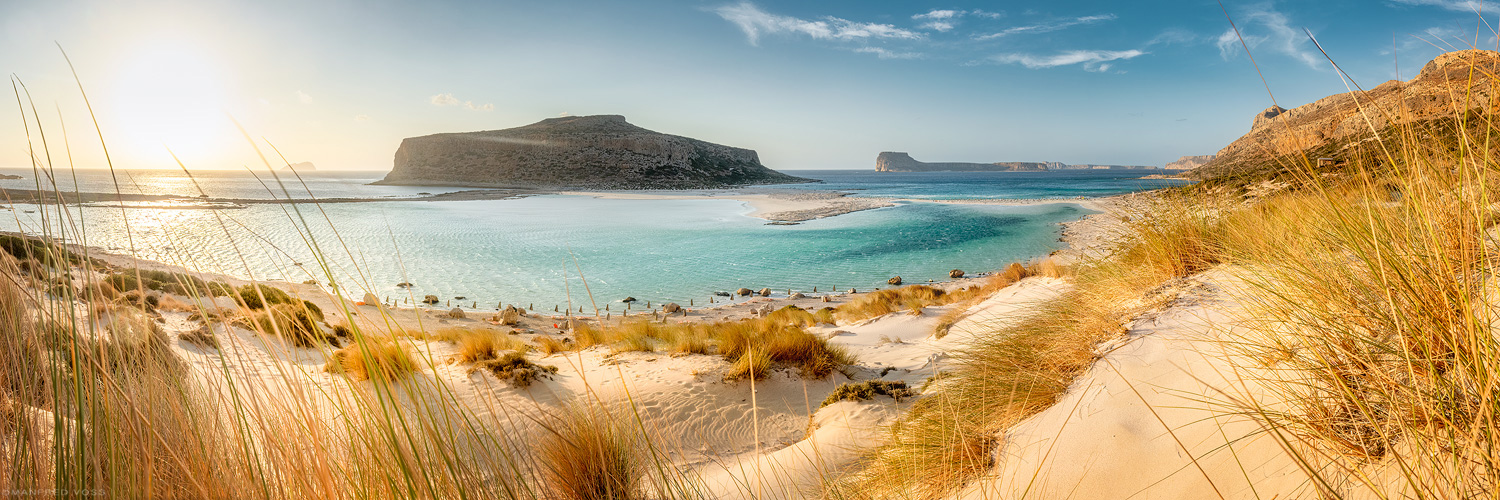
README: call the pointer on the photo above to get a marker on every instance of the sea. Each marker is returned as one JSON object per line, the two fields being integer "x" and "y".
{"x": 548, "y": 251}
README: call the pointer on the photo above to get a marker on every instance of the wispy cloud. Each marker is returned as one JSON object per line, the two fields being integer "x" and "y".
{"x": 362, "y": 118}
{"x": 447, "y": 99}
{"x": 1456, "y": 5}
{"x": 1263, "y": 26}
{"x": 1048, "y": 26}
{"x": 303, "y": 98}
{"x": 756, "y": 22}
{"x": 889, "y": 54}
{"x": 1091, "y": 60}
{"x": 940, "y": 20}
{"x": 945, "y": 20}
{"x": 1174, "y": 36}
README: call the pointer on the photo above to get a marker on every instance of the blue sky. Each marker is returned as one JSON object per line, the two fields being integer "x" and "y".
{"x": 806, "y": 84}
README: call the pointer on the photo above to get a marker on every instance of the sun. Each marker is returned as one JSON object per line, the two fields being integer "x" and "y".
{"x": 170, "y": 94}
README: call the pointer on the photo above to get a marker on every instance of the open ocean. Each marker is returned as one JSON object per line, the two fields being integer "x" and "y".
{"x": 520, "y": 250}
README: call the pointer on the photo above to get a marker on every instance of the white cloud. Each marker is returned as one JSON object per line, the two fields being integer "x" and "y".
{"x": 1264, "y": 27}
{"x": 887, "y": 54}
{"x": 304, "y": 98}
{"x": 756, "y": 22}
{"x": 1456, "y": 5}
{"x": 447, "y": 99}
{"x": 1091, "y": 60}
{"x": 1174, "y": 36}
{"x": 1048, "y": 27}
{"x": 939, "y": 20}
{"x": 944, "y": 20}
{"x": 362, "y": 118}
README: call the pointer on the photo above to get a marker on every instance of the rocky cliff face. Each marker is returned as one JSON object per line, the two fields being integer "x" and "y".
{"x": 901, "y": 162}
{"x": 1190, "y": 162}
{"x": 577, "y": 152}
{"x": 1340, "y": 127}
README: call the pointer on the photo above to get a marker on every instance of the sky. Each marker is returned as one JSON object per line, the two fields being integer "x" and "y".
{"x": 808, "y": 85}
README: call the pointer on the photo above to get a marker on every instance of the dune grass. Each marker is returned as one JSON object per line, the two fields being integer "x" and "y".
{"x": 588, "y": 455}
{"x": 949, "y": 436}
{"x": 752, "y": 346}
{"x": 380, "y": 359}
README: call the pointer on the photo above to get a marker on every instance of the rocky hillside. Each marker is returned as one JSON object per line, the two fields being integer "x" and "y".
{"x": 577, "y": 152}
{"x": 902, "y": 162}
{"x": 1339, "y": 129}
{"x": 1189, "y": 162}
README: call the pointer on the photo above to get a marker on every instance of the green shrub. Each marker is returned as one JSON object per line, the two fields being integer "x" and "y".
{"x": 867, "y": 390}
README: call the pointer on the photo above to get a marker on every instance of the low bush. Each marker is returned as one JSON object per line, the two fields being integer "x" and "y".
{"x": 867, "y": 390}
{"x": 515, "y": 368}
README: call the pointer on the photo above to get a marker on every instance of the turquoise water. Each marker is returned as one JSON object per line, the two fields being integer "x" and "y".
{"x": 985, "y": 185}
{"x": 523, "y": 250}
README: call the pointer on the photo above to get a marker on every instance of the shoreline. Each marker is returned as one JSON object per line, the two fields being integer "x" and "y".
{"x": 777, "y": 206}
{"x": 1083, "y": 237}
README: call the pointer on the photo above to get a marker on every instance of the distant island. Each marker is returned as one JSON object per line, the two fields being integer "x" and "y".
{"x": 577, "y": 152}
{"x": 8, "y": 177}
{"x": 890, "y": 161}
{"x": 305, "y": 166}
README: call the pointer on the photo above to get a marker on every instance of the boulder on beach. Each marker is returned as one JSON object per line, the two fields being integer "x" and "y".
{"x": 509, "y": 316}
{"x": 743, "y": 292}
{"x": 628, "y": 300}
{"x": 827, "y": 299}
{"x": 404, "y": 284}
{"x": 723, "y": 294}
{"x": 764, "y": 292}
{"x": 371, "y": 299}
{"x": 894, "y": 281}
{"x": 457, "y": 313}
{"x": 796, "y": 295}
{"x": 431, "y": 299}
{"x": 671, "y": 308}
{"x": 956, "y": 273}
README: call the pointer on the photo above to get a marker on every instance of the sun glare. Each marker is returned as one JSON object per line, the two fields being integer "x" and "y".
{"x": 169, "y": 94}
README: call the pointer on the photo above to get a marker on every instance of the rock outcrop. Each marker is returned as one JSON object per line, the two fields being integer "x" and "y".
{"x": 889, "y": 161}
{"x": 577, "y": 152}
{"x": 1190, "y": 162}
{"x": 1340, "y": 128}
{"x": 8, "y": 177}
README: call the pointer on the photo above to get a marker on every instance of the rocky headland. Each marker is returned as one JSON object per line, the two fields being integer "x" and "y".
{"x": 1337, "y": 129}
{"x": 577, "y": 152}
{"x": 889, "y": 161}
{"x": 1189, "y": 162}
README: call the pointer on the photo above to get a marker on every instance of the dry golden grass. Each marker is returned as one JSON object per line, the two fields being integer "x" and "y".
{"x": 381, "y": 359}
{"x": 292, "y": 322}
{"x": 883, "y": 302}
{"x": 549, "y": 346}
{"x": 948, "y": 437}
{"x": 587, "y": 454}
{"x": 780, "y": 338}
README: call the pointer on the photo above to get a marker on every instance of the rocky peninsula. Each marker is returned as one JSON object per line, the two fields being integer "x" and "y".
{"x": 577, "y": 152}
{"x": 889, "y": 161}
